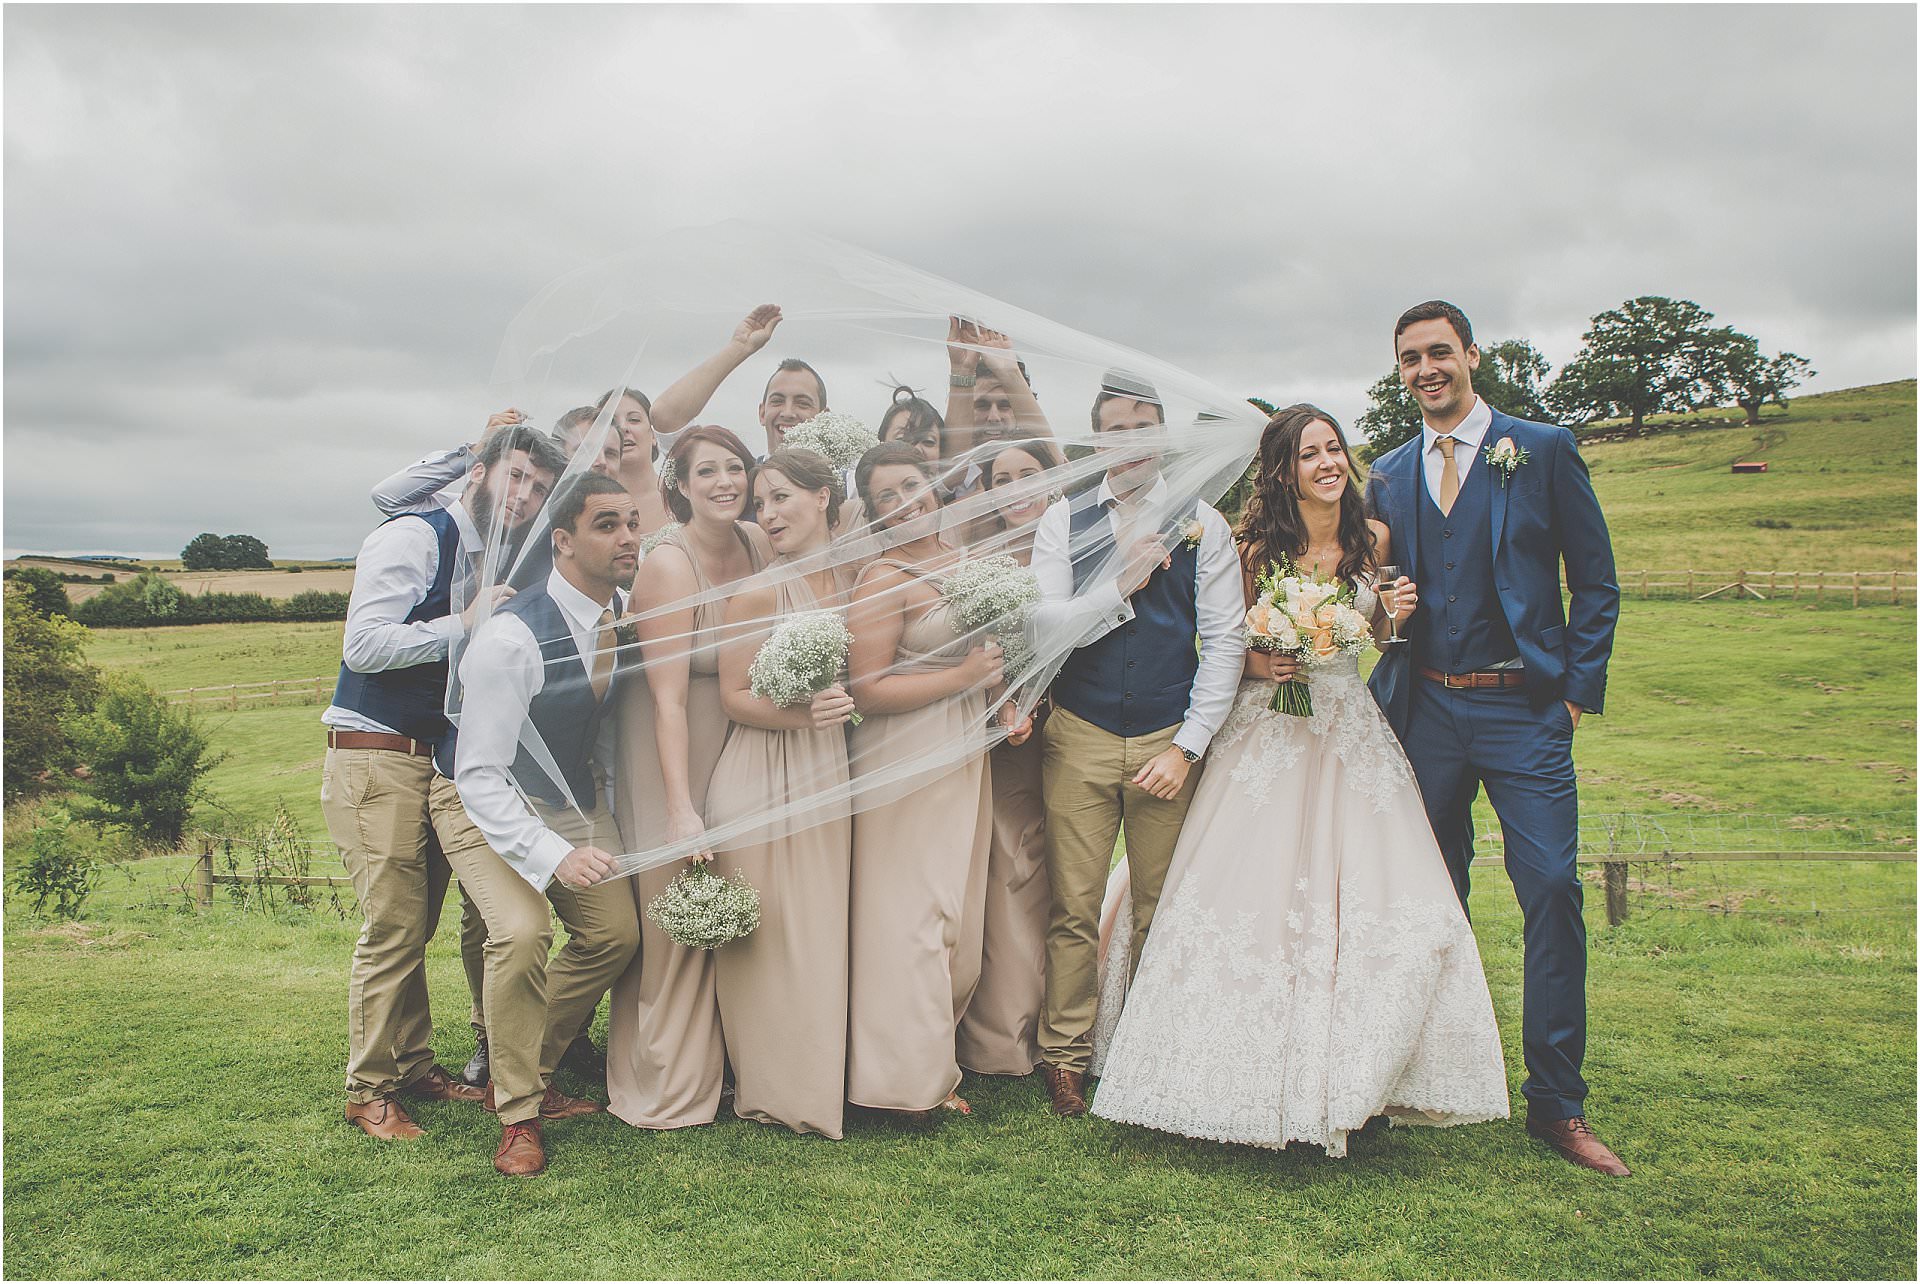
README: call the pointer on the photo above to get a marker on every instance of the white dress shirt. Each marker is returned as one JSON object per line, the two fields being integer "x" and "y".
{"x": 500, "y": 674}
{"x": 1469, "y": 432}
{"x": 1090, "y": 615}
{"x": 395, "y": 570}
{"x": 424, "y": 484}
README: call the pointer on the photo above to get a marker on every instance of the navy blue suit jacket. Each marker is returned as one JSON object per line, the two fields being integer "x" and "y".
{"x": 1545, "y": 514}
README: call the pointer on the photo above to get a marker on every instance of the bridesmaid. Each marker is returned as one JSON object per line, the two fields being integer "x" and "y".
{"x": 639, "y": 449}
{"x": 664, "y": 1054}
{"x": 783, "y": 989}
{"x": 919, "y": 848}
{"x": 1000, "y": 1032}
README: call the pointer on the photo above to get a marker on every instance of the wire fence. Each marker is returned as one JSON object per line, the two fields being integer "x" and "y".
{"x": 239, "y": 695}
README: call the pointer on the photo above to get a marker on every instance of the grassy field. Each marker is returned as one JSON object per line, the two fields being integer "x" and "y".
{"x": 174, "y": 1075}
{"x": 283, "y": 581}
{"x": 1839, "y": 490}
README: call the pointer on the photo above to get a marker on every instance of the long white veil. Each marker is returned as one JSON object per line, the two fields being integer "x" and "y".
{"x": 866, "y": 325}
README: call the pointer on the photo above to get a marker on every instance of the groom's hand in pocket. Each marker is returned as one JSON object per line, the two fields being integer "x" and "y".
{"x": 1164, "y": 773}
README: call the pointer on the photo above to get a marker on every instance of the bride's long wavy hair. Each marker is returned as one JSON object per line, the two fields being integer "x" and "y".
{"x": 1271, "y": 525}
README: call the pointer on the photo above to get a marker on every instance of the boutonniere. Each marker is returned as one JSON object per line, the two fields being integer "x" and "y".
{"x": 1194, "y": 533}
{"x": 1506, "y": 457}
{"x": 626, "y": 631}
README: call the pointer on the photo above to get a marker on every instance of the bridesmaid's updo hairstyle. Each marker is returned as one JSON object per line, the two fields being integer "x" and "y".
{"x": 683, "y": 446}
{"x": 809, "y": 470}
{"x": 1271, "y": 526}
{"x": 886, "y": 453}
{"x": 911, "y": 415}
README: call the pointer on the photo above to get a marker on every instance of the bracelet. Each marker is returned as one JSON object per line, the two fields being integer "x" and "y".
{"x": 959, "y": 381}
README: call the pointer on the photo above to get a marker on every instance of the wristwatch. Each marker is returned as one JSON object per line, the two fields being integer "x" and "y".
{"x": 960, "y": 381}
{"x": 1188, "y": 754}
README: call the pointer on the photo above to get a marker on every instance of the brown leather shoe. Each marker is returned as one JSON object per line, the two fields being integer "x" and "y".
{"x": 521, "y": 1152}
{"x": 1068, "y": 1091}
{"x": 558, "y": 1105}
{"x": 1576, "y": 1143}
{"x": 438, "y": 1084}
{"x": 383, "y": 1118}
{"x": 554, "y": 1104}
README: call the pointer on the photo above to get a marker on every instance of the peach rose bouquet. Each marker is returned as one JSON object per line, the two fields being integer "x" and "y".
{"x": 1308, "y": 617}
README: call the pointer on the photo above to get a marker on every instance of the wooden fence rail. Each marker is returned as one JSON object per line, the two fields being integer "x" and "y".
{"x": 1894, "y": 587}
{"x": 317, "y": 690}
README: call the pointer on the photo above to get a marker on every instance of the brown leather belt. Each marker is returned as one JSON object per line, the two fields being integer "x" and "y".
{"x": 1486, "y": 680}
{"x": 379, "y": 740}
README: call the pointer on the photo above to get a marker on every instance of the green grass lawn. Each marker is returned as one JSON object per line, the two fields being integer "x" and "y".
{"x": 174, "y": 1090}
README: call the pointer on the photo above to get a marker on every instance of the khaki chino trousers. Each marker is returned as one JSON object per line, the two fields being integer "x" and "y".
{"x": 535, "y": 1008}
{"x": 1087, "y": 774}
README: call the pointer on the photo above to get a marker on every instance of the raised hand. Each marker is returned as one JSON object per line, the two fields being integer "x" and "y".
{"x": 962, "y": 331}
{"x": 757, "y": 327}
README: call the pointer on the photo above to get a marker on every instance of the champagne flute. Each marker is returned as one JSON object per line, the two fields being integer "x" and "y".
{"x": 1389, "y": 578}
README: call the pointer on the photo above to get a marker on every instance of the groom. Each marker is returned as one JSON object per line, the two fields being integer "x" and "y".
{"x": 1134, "y": 706}
{"x": 1483, "y": 510}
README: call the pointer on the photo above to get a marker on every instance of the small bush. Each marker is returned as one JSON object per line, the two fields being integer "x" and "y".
{"x": 1772, "y": 524}
{"x": 48, "y": 683}
{"x": 58, "y": 868}
{"x": 147, "y": 759}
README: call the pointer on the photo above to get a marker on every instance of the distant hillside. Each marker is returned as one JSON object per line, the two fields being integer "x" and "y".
{"x": 1838, "y": 493}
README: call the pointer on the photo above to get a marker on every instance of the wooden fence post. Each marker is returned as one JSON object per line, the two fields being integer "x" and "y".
{"x": 1893, "y": 587}
{"x": 1614, "y": 873}
{"x": 1689, "y": 583}
{"x": 203, "y": 875}
{"x": 1856, "y": 588}
{"x": 1796, "y": 586}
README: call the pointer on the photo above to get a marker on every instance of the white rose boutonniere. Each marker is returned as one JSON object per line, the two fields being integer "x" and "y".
{"x": 1194, "y": 533}
{"x": 1505, "y": 456}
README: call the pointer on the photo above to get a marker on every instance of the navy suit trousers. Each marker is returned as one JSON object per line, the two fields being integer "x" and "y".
{"x": 1458, "y": 740}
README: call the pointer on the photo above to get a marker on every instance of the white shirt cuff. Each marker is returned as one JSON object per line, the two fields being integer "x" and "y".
{"x": 548, "y": 851}
{"x": 1193, "y": 738}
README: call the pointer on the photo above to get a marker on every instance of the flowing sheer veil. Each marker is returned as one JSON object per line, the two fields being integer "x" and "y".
{"x": 865, "y": 323}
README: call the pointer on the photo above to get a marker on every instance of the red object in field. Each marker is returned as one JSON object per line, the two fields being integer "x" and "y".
{"x": 1749, "y": 468}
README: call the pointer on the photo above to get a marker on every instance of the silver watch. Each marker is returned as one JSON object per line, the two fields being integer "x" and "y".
{"x": 1188, "y": 754}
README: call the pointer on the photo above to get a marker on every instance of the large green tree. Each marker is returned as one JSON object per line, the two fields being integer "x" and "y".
{"x": 1508, "y": 380}
{"x": 1749, "y": 378}
{"x": 1647, "y": 356}
{"x": 209, "y": 552}
{"x": 44, "y": 591}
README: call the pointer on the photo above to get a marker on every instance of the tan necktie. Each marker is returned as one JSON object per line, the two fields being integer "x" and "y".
{"x": 604, "y": 642}
{"x": 1449, "y": 474}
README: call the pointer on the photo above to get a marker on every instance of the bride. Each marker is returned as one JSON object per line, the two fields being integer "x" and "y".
{"x": 1311, "y": 967}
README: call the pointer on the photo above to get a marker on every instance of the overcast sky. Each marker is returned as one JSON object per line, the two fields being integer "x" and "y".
{"x": 257, "y": 257}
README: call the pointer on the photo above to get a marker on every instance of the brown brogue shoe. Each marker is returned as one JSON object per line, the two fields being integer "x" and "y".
{"x": 1576, "y": 1143}
{"x": 438, "y": 1084}
{"x": 383, "y": 1118}
{"x": 521, "y": 1152}
{"x": 558, "y": 1105}
{"x": 1067, "y": 1090}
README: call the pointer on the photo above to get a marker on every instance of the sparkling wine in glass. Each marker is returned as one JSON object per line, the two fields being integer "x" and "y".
{"x": 1389, "y": 577}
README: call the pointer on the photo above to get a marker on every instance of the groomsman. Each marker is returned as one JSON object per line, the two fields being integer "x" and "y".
{"x": 1484, "y": 510}
{"x": 1134, "y": 706}
{"x": 540, "y": 828}
{"x": 377, "y": 787}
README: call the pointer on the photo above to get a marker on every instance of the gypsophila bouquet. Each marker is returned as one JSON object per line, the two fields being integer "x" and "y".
{"x": 997, "y": 593}
{"x": 653, "y": 539}
{"x": 703, "y": 911}
{"x": 801, "y": 658}
{"x": 841, "y": 438}
{"x": 1311, "y": 618}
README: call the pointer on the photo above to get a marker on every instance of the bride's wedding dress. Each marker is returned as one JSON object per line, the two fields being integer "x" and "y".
{"x": 1309, "y": 966}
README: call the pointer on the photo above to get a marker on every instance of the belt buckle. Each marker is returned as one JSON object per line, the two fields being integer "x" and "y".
{"x": 1459, "y": 682}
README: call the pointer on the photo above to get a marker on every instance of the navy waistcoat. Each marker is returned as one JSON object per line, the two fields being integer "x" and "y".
{"x": 411, "y": 700}
{"x": 564, "y": 712}
{"x": 1138, "y": 678}
{"x": 1460, "y": 626}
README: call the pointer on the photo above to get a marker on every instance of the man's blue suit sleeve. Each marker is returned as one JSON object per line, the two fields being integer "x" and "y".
{"x": 1587, "y": 550}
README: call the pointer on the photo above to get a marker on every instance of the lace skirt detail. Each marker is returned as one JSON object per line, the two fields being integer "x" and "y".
{"x": 1309, "y": 966}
